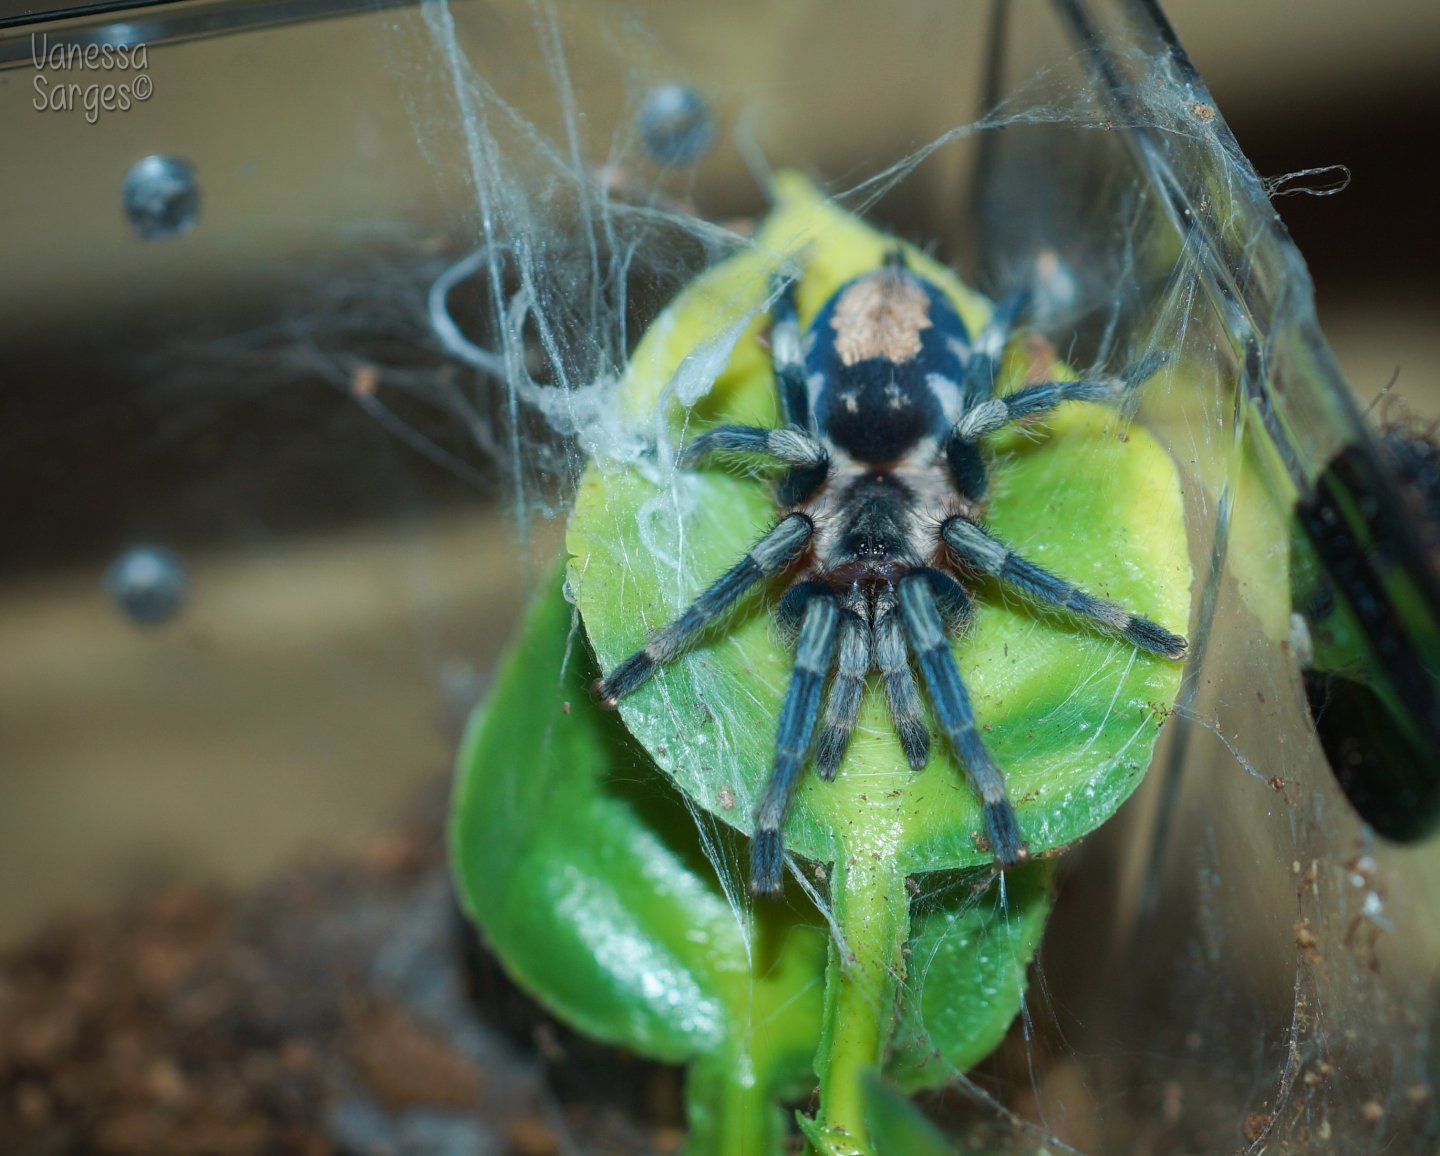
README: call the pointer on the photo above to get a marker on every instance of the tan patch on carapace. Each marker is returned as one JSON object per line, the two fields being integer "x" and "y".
{"x": 881, "y": 315}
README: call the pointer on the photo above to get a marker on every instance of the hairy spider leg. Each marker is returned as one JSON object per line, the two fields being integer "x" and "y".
{"x": 982, "y": 365}
{"x": 813, "y": 654}
{"x": 901, "y": 692}
{"x": 931, "y": 647}
{"x": 791, "y": 446}
{"x": 807, "y": 458}
{"x": 975, "y": 386}
{"x": 966, "y": 467}
{"x": 776, "y": 550}
{"x": 962, "y": 456}
{"x": 970, "y": 544}
{"x": 989, "y": 416}
{"x": 787, "y": 356}
{"x": 847, "y": 689}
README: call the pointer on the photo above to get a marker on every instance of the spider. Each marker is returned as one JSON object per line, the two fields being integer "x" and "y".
{"x": 886, "y": 400}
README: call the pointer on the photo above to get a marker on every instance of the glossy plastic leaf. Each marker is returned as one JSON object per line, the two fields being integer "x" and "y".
{"x": 896, "y": 1126}
{"x": 965, "y": 968}
{"x": 585, "y": 874}
{"x": 1070, "y": 715}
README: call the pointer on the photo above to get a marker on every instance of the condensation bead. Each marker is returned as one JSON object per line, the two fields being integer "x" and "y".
{"x": 161, "y": 197}
{"x": 675, "y": 125}
{"x": 148, "y": 584}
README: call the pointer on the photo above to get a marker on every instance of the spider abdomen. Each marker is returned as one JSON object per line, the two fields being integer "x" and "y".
{"x": 877, "y": 347}
{"x": 877, "y": 412}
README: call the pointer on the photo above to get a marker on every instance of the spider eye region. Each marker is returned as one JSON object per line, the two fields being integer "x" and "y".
{"x": 873, "y": 536}
{"x": 875, "y": 346}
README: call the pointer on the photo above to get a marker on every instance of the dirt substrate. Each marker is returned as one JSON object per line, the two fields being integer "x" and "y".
{"x": 343, "y": 1009}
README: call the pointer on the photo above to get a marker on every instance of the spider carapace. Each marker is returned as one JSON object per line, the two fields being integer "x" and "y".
{"x": 886, "y": 398}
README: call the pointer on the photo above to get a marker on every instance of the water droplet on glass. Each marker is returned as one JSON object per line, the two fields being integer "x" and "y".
{"x": 674, "y": 124}
{"x": 161, "y": 197}
{"x": 148, "y": 584}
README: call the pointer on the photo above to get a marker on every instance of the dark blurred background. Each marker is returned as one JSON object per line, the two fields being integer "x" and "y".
{"x": 1335, "y": 83}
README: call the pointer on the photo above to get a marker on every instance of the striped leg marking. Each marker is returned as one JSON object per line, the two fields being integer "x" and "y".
{"x": 772, "y": 553}
{"x": 813, "y": 655}
{"x": 953, "y": 712}
{"x": 974, "y": 546}
{"x": 846, "y": 691}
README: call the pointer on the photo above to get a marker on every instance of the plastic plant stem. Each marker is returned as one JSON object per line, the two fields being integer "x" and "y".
{"x": 872, "y": 919}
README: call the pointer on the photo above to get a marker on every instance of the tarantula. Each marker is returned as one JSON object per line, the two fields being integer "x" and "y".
{"x": 886, "y": 399}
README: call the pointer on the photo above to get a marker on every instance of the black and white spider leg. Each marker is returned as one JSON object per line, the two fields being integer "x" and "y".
{"x": 903, "y": 696}
{"x": 989, "y": 416}
{"x": 814, "y": 651}
{"x": 972, "y": 545}
{"x": 791, "y": 446}
{"x": 847, "y": 689}
{"x": 788, "y": 357}
{"x": 772, "y": 553}
{"x": 928, "y": 641}
{"x": 983, "y": 357}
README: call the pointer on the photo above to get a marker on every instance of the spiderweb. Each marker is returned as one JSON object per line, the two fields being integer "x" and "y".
{"x": 1235, "y": 962}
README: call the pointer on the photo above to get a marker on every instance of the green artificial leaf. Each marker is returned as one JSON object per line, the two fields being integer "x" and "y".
{"x": 970, "y": 945}
{"x": 1070, "y": 715}
{"x": 896, "y": 1126}
{"x": 586, "y": 874}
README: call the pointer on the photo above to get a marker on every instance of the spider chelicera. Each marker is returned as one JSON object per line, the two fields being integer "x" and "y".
{"x": 886, "y": 399}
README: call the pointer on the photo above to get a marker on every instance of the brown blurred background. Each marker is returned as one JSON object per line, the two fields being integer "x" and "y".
{"x": 347, "y": 599}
